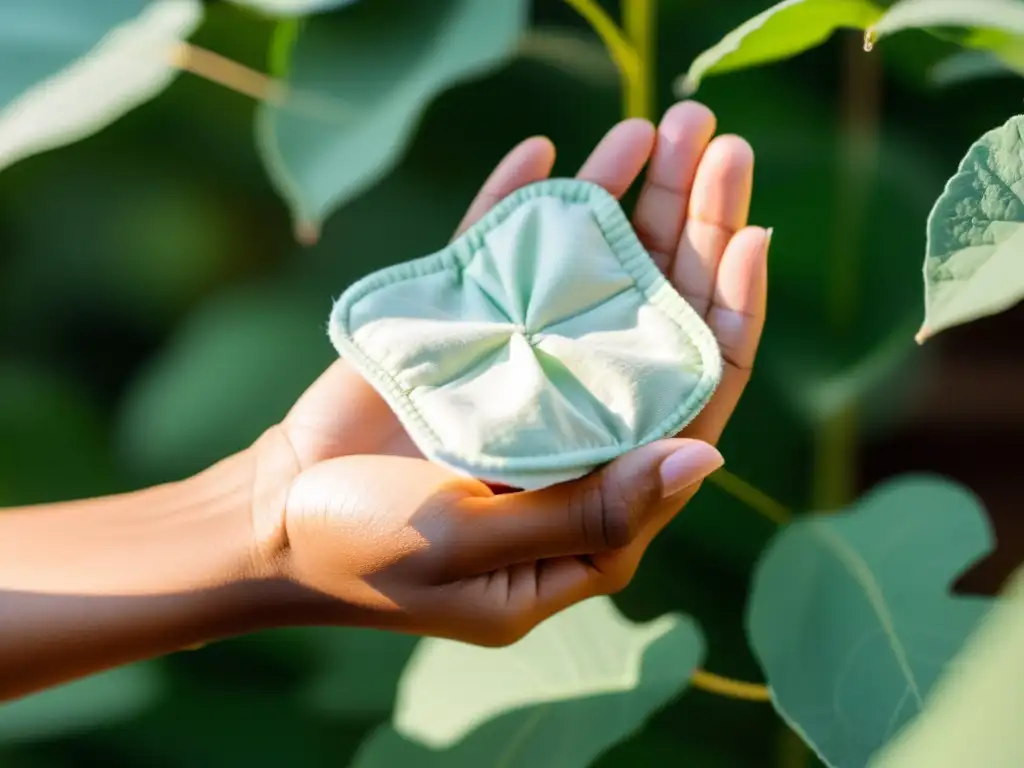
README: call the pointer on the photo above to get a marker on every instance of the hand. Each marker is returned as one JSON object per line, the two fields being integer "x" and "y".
{"x": 405, "y": 544}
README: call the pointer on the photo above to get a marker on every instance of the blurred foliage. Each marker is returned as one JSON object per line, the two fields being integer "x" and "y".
{"x": 556, "y": 699}
{"x": 156, "y": 314}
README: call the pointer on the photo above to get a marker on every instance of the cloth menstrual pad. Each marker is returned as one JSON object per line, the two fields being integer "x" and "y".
{"x": 539, "y": 345}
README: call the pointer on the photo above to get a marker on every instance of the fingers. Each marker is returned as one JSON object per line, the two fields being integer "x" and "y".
{"x": 615, "y": 163}
{"x": 528, "y": 162}
{"x": 661, "y": 207}
{"x": 740, "y": 296}
{"x": 620, "y": 156}
{"x": 602, "y": 512}
{"x": 719, "y": 205}
{"x": 736, "y": 316}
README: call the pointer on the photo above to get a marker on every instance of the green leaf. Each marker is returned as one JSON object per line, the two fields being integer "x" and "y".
{"x": 782, "y": 31}
{"x": 1005, "y": 15}
{"x": 359, "y": 80}
{"x": 974, "y": 260}
{"x": 965, "y": 66}
{"x": 851, "y": 617}
{"x": 994, "y": 26}
{"x": 973, "y": 714}
{"x": 69, "y": 69}
{"x": 234, "y": 369}
{"x": 578, "y": 684}
{"x": 81, "y": 705}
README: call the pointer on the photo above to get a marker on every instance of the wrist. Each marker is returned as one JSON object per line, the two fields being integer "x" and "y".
{"x": 263, "y": 474}
{"x": 265, "y": 593}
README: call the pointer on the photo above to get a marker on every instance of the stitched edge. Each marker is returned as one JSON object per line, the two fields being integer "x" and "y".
{"x": 634, "y": 259}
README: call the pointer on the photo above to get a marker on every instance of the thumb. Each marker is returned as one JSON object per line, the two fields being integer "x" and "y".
{"x": 601, "y": 512}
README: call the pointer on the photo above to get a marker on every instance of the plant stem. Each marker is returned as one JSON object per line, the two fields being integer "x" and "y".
{"x": 732, "y": 689}
{"x": 620, "y": 49}
{"x": 834, "y": 482}
{"x": 223, "y": 71}
{"x": 752, "y": 496}
{"x": 638, "y": 20}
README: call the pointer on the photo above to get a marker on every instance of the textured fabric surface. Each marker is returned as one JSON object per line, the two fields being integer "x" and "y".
{"x": 540, "y": 344}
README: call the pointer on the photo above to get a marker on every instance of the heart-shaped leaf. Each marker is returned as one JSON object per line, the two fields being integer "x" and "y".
{"x": 782, "y": 31}
{"x": 974, "y": 261}
{"x": 578, "y": 684}
{"x": 973, "y": 714}
{"x": 69, "y": 69}
{"x": 80, "y": 705}
{"x": 851, "y": 616}
{"x": 359, "y": 79}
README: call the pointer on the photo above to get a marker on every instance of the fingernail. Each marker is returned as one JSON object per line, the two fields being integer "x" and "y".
{"x": 768, "y": 238}
{"x": 688, "y": 465}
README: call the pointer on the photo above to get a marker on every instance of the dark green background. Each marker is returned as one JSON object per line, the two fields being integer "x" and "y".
{"x": 155, "y": 315}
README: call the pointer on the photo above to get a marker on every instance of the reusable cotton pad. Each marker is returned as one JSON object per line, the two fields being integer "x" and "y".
{"x": 539, "y": 345}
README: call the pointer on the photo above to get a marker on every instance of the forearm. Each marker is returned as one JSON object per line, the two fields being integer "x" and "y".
{"x": 86, "y": 586}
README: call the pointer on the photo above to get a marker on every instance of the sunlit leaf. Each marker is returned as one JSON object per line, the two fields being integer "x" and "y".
{"x": 578, "y": 684}
{"x": 995, "y": 27}
{"x": 1005, "y": 15}
{"x": 974, "y": 262}
{"x": 851, "y": 615}
{"x": 358, "y": 82}
{"x": 80, "y": 705}
{"x": 782, "y": 31}
{"x": 70, "y": 69}
{"x": 973, "y": 714}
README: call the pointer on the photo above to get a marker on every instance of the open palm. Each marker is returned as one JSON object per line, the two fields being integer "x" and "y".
{"x": 691, "y": 215}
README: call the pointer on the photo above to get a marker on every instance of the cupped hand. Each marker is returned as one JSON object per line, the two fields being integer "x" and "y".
{"x": 405, "y": 544}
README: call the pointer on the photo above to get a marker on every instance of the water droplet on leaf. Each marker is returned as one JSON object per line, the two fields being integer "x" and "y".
{"x": 870, "y": 38}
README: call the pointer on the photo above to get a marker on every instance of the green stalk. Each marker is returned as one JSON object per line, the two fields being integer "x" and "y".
{"x": 638, "y": 21}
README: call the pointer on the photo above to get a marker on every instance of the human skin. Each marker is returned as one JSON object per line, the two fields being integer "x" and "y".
{"x": 332, "y": 517}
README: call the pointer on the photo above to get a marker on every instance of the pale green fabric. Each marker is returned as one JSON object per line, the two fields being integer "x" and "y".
{"x": 540, "y": 344}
